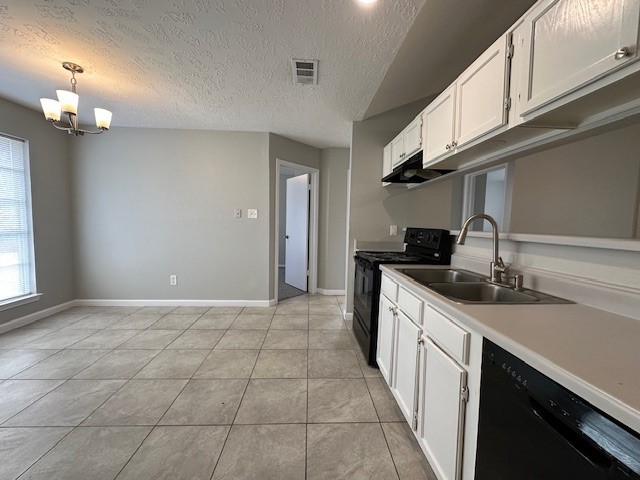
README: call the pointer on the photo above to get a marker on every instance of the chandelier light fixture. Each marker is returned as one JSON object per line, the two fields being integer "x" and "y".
{"x": 67, "y": 105}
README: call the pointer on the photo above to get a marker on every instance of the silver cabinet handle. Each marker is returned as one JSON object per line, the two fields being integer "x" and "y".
{"x": 621, "y": 53}
{"x": 286, "y": 237}
{"x": 448, "y": 147}
{"x": 454, "y": 144}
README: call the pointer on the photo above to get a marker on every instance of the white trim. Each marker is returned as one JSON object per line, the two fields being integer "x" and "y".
{"x": 324, "y": 291}
{"x": 17, "y": 301}
{"x": 468, "y": 195}
{"x": 348, "y": 316}
{"x": 173, "y": 302}
{"x": 313, "y": 223}
{"x": 33, "y": 317}
{"x": 630, "y": 245}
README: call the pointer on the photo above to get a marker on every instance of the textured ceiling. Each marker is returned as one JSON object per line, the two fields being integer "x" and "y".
{"x": 206, "y": 64}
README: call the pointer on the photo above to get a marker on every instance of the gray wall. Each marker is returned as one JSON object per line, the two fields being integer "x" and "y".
{"x": 334, "y": 167}
{"x": 588, "y": 187}
{"x": 51, "y": 205}
{"x": 430, "y": 206}
{"x": 294, "y": 152}
{"x": 150, "y": 203}
{"x": 372, "y": 207}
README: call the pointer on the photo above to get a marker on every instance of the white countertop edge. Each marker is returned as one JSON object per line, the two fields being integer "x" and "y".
{"x": 597, "y": 397}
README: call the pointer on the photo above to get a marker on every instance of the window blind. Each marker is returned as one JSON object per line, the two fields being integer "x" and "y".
{"x": 16, "y": 232}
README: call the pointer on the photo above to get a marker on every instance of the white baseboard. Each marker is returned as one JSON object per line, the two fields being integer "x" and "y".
{"x": 323, "y": 291}
{"x": 348, "y": 316}
{"x": 33, "y": 317}
{"x": 174, "y": 303}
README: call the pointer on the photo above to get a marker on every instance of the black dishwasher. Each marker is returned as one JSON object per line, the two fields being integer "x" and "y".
{"x": 532, "y": 428}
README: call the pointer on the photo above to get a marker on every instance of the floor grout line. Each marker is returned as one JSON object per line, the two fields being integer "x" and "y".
{"x": 208, "y": 351}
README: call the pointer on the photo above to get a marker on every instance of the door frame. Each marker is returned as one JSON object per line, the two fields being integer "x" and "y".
{"x": 314, "y": 203}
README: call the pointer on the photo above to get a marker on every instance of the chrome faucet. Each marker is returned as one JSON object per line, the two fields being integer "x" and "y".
{"x": 498, "y": 267}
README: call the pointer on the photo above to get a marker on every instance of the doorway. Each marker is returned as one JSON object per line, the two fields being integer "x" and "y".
{"x": 296, "y": 229}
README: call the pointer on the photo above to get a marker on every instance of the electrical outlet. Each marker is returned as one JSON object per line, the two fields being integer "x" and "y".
{"x": 393, "y": 230}
{"x": 252, "y": 213}
{"x": 173, "y": 280}
{"x": 237, "y": 213}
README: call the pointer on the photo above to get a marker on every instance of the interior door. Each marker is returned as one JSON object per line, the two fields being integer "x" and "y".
{"x": 297, "y": 237}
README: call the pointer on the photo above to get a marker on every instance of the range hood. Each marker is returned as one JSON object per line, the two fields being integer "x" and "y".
{"x": 411, "y": 171}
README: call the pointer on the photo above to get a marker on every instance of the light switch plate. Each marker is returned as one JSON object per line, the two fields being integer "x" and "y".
{"x": 237, "y": 213}
{"x": 252, "y": 213}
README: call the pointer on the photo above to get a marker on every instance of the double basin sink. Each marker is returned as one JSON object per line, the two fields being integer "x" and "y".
{"x": 466, "y": 287}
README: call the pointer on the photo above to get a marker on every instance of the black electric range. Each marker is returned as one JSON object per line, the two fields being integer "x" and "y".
{"x": 422, "y": 246}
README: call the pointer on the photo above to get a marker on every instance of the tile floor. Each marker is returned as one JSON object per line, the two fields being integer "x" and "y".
{"x": 198, "y": 393}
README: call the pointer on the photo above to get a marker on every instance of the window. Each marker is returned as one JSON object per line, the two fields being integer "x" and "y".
{"x": 17, "y": 272}
{"x": 487, "y": 191}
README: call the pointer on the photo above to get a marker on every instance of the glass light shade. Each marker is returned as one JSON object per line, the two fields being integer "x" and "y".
{"x": 51, "y": 109}
{"x": 68, "y": 101}
{"x": 103, "y": 118}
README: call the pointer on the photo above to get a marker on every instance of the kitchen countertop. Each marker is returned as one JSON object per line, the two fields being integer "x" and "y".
{"x": 594, "y": 353}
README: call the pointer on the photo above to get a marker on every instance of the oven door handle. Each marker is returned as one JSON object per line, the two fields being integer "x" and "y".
{"x": 573, "y": 438}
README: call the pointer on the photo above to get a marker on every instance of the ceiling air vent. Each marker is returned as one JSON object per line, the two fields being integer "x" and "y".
{"x": 305, "y": 72}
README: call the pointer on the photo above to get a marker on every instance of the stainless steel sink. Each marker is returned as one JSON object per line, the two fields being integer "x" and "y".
{"x": 427, "y": 276}
{"x": 489, "y": 293}
{"x": 462, "y": 286}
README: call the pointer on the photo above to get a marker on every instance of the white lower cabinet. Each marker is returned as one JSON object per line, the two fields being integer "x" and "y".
{"x": 386, "y": 326}
{"x": 405, "y": 366}
{"x": 441, "y": 410}
{"x": 431, "y": 368}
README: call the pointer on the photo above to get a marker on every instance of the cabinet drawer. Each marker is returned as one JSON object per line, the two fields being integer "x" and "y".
{"x": 389, "y": 288}
{"x": 453, "y": 339}
{"x": 410, "y": 305}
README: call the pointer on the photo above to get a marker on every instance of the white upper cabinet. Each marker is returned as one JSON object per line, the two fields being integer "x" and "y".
{"x": 386, "y": 161}
{"x": 412, "y": 136}
{"x": 397, "y": 150}
{"x": 571, "y": 43}
{"x": 438, "y": 125}
{"x": 481, "y": 94}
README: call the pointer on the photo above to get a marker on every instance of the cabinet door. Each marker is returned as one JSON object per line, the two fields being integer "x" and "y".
{"x": 413, "y": 137}
{"x": 481, "y": 94}
{"x": 386, "y": 328}
{"x": 573, "y": 42}
{"x": 386, "y": 161}
{"x": 397, "y": 150}
{"x": 438, "y": 127}
{"x": 441, "y": 410}
{"x": 405, "y": 366}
